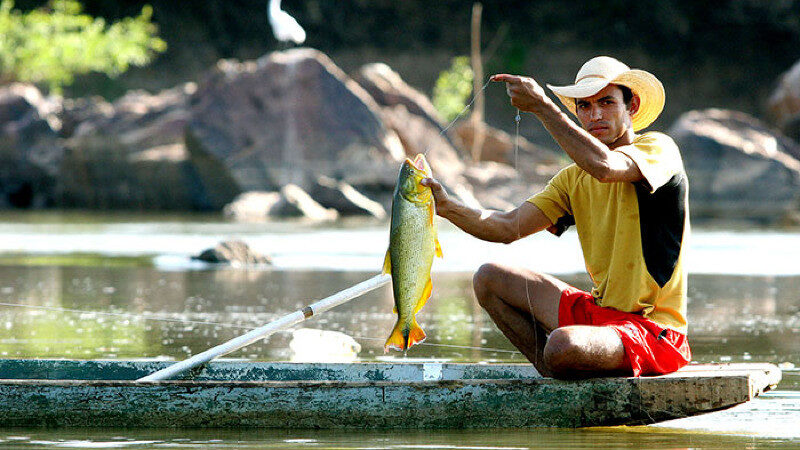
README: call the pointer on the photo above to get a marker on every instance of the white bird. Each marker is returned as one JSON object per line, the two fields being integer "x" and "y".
{"x": 284, "y": 27}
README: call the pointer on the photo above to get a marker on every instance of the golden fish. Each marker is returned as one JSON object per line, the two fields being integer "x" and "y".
{"x": 412, "y": 245}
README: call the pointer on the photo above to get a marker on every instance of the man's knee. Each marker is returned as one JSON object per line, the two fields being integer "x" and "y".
{"x": 563, "y": 351}
{"x": 483, "y": 280}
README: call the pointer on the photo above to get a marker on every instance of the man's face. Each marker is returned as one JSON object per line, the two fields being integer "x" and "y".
{"x": 605, "y": 115}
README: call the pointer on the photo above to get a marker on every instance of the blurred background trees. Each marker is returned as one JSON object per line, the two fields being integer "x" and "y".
{"x": 726, "y": 53}
{"x": 51, "y": 45}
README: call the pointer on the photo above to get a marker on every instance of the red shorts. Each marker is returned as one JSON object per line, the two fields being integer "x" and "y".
{"x": 650, "y": 349}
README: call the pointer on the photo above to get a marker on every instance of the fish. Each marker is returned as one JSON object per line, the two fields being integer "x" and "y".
{"x": 413, "y": 242}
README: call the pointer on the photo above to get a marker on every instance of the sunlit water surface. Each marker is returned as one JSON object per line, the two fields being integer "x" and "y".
{"x": 88, "y": 286}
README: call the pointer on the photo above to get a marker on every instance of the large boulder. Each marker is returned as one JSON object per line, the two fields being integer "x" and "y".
{"x": 412, "y": 117}
{"x": 499, "y": 186}
{"x": 290, "y": 202}
{"x": 388, "y": 89}
{"x": 737, "y": 167}
{"x": 136, "y": 157}
{"x": 77, "y": 111}
{"x": 345, "y": 199}
{"x": 288, "y": 118}
{"x": 536, "y": 164}
{"x": 30, "y": 151}
{"x": 783, "y": 106}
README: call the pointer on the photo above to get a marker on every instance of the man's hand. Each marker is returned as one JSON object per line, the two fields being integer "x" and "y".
{"x": 440, "y": 197}
{"x": 525, "y": 92}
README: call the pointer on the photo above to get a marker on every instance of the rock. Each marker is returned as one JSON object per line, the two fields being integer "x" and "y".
{"x": 345, "y": 199}
{"x": 288, "y": 118}
{"x": 536, "y": 164}
{"x": 233, "y": 252}
{"x": 252, "y": 206}
{"x": 388, "y": 89}
{"x": 737, "y": 167}
{"x": 419, "y": 136}
{"x": 291, "y": 201}
{"x": 295, "y": 201}
{"x": 83, "y": 110}
{"x": 136, "y": 156}
{"x": 499, "y": 186}
{"x": 784, "y": 103}
{"x": 30, "y": 152}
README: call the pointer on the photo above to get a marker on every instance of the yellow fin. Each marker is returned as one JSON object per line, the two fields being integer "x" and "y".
{"x": 426, "y": 294}
{"x": 432, "y": 214}
{"x": 438, "y": 246}
{"x": 387, "y": 263}
{"x": 396, "y": 340}
{"x": 415, "y": 335}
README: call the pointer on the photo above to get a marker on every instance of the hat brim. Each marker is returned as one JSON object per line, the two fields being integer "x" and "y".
{"x": 642, "y": 83}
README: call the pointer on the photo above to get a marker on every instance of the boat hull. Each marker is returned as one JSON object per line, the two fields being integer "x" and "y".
{"x": 362, "y": 395}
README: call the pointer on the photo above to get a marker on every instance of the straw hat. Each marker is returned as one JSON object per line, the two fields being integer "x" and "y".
{"x": 599, "y": 72}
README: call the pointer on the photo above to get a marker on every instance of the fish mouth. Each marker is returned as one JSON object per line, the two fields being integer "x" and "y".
{"x": 419, "y": 163}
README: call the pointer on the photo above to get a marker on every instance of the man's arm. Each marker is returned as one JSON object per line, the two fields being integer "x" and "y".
{"x": 493, "y": 226}
{"x": 587, "y": 151}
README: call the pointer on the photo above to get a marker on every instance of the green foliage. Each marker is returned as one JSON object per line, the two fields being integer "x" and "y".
{"x": 54, "y": 44}
{"x": 453, "y": 88}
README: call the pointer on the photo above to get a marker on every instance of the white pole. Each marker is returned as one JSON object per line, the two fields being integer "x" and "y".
{"x": 266, "y": 330}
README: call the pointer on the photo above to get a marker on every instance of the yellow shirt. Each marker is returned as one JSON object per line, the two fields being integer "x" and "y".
{"x": 632, "y": 235}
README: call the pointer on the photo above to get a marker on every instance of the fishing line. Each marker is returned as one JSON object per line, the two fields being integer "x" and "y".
{"x": 463, "y": 111}
{"x": 517, "y": 120}
{"x": 127, "y": 315}
{"x": 220, "y": 324}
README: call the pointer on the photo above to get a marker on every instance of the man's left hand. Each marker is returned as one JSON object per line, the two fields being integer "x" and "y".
{"x": 525, "y": 92}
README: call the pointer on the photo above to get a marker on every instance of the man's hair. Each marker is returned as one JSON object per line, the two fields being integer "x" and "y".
{"x": 627, "y": 94}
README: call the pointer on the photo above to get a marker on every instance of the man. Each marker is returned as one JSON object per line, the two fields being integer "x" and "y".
{"x": 626, "y": 194}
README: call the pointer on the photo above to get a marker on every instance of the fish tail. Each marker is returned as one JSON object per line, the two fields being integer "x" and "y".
{"x": 415, "y": 334}
{"x": 396, "y": 340}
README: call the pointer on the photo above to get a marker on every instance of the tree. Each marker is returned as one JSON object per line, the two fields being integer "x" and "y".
{"x": 52, "y": 45}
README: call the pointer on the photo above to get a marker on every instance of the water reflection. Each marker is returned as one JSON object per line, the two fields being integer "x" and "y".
{"x": 108, "y": 312}
{"x": 506, "y": 439}
{"x": 732, "y": 318}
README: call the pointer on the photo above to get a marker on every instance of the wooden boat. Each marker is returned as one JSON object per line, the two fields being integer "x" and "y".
{"x": 69, "y": 393}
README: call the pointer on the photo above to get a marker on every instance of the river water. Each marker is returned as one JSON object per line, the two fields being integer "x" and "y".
{"x": 97, "y": 286}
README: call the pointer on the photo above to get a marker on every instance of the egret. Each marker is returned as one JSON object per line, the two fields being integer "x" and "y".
{"x": 284, "y": 27}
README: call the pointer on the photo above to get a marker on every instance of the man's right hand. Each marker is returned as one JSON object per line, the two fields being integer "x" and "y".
{"x": 440, "y": 197}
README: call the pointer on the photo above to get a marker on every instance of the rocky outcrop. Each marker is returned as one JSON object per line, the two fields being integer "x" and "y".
{"x": 135, "y": 156}
{"x": 388, "y": 89}
{"x": 30, "y": 151}
{"x": 345, "y": 199}
{"x": 288, "y": 118}
{"x": 290, "y": 202}
{"x": 233, "y": 252}
{"x": 499, "y": 186}
{"x": 412, "y": 117}
{"x": 783, "y": 106}
{"x": 737, "y": 167}
{"x": 288, "y": 135}
{"x": 535, "y": 164}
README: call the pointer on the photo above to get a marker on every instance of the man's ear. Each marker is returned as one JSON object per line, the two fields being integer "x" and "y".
{"x": 635, "y": 103}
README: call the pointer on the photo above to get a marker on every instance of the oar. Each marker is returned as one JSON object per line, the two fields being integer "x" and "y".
{"x": 266, "y": 330}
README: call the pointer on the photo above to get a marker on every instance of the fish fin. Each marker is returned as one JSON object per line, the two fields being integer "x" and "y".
{"x": 415, "y": 335}
{"x": 438, "y": 246}
{"x": 426, "y": 294}
{"x": 432, "y": 214}
{"x": 387, "y": 263}
{"x": 396, "y": 340}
